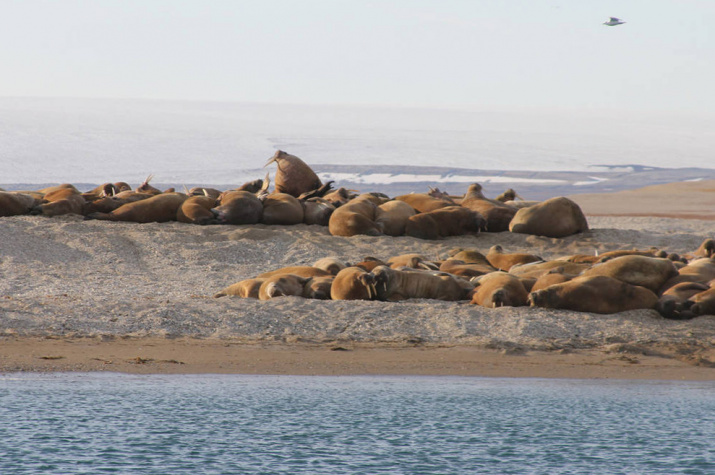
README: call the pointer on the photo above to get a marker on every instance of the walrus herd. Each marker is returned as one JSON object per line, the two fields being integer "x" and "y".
{"x": 679, "y": 287}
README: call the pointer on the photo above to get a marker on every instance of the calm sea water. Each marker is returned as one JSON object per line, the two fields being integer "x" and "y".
{"x": 110, "y": 423}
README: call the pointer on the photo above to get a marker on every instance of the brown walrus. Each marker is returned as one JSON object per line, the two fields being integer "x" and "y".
{"x": 247, "y": 288}
{"x": 16, "y": 203}
{"x": 281, "y": 208}
{"x": 293, "y": 176}
{"x": 110, "y": 203}
{"x": 392, "y": 216}
{"x": 197, "y": 210}
{"x": 238, "y": 207}
{"x": 505, "y": 261}
{"x": 497, "y": 214}
{"x": 556, "y": 217}
{"x": 282, "y": 285}
{"x": 556, "y": 275}
{"x": 424, "y": 203}
{"x": 706, "y": 249}
{"x": 444, "y": 222}
{"x": 499, "y": 289}
{"x": 704, "y": 303}
{"x": 303, "y": 271}
{"x": 537, "y": 269}
{"x": 700, "y": 270}
{"x": 317, "y": 211}
{"x": 157, "y": 209}
{"x": 463, "y": 269}
{"x": 353, "y": 283}
{"x": 393, "y": 285}
{"x": 61, "y": 201}
{"x": 356, "y": 217}
{"x": 648, "y": 272}
{"x": 596, "y": 294}
{"x": 330, "y": 264}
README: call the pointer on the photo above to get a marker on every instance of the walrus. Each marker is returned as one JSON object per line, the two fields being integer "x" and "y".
{"x": 675, "y": 302}
{"x": 157, "y": 209}
{"x": 101, "y": 191}
{"x": 330, "y": 264}
{"x": 318, "y": 288}
{"x": 706, "y": 249}
{"x": 505, "y": 261}
{"x": 461, "y": 268}
{"x": 204, "y": 191}
{"x": 356, "y": 217}
{"x": 537, "y": 269}
{"x": 415, "y": 261}
{"x": 393, "y": 285}
{"x": 281, "y": 208}
{"x": 392, "y": 216}
{"x": 61, "y": 201}
{"x": 238, "y": 207}
{"x": 317, "y": 211}
{"x": 648, "y": 272}
{"x": 596, "y": 294}
{"x": 353, "y": 283}
{"x": 556, "y": 275}
{"x": 604, "y": 256}
{"x": 499, "y": 289}
{"x": 556, "y": 217}
{"x": 704, "y": 302}
{"x": 293, "y": 176}
{"x": 424, "y": 203}
{"x": 108, "y": 204}
{"x": 508, "y": 195}
{"x": 369, "y": 263}
{"x": 470, "y": 256}
{"x": 145, "y": 187}
{"x": 302, "y": 271}
{"x": 497, "y": 214}
{"x": 15, "y": 203}
{"x": 700, "y": 270}
{"x": 282, "y": 285}
{"x": 197, "y": 210}
{"x": 246, "y": 289}
{"x": 444, "y": 222}
{"x": 339, "y": 197}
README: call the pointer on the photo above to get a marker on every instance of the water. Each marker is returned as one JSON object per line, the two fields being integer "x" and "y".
{"x": 109, "y": 423}
{"x": 45, "y": 140}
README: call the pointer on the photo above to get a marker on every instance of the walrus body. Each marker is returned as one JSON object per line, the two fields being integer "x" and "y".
{"x": 648, "y": 272}
{"x": 108, "y": 204}
{"x": 303, "y": 271}
{"x": 554, "y": 276}
{"x": 463, "y": 269}
{"x": 698, "y": 270}
{"x": 61, "y": 201}
{"x": 597, "y": 294}
{"x": 497, "y": 214}
{"x": 505, "y": 261}
{"x": 499, "y": 289}
{"x": 282, "y": 208}
{"x": 238, "y": 207}
{"x": 318, "y": 288}
{"x": 317, "y": 211}
{"x": 355, "y": 217}
{"x": 424, "y": 203}
{"x": 537, "y": 269}
{"x": 393, "y": 285}
{"x": 444, "y": 222}
{"x": 293, "y": 176}
{"x": 247, "y": 288}
{"x": 330, "y": 264}
{"x": 157, "y": 209}
{"x": 556, "y": 217}
{"x": 15, "y": 204}
{"x": 706, "y": 249}
{"x": 392, "y": 217}
{"x": 197, "y": 210}
{"x": 282, "y": 285}
{"x": 704, "y": 303}
{"x": 353, "y": 283}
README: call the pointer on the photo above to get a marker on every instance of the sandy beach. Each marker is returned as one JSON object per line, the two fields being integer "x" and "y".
{"x": 81, "y": 295}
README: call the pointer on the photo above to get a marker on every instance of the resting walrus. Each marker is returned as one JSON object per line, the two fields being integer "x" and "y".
{"x": 395, "y": 285}
{"x": 499, "y": 289}
{"x": 597, "y": 294}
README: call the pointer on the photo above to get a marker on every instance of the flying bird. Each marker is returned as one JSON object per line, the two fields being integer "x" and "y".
{"x": 613, "y": 21}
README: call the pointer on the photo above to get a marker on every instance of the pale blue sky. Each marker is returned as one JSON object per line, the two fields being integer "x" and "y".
{"x": 497, "y": 53}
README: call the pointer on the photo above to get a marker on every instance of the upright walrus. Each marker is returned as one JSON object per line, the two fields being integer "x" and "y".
{"x": 293, "y": 176}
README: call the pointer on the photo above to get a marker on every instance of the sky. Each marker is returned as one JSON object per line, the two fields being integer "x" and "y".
{"x": 447, "y": 53}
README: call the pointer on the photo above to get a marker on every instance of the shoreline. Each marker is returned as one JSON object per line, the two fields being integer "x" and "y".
{"x": 198, "y": 356}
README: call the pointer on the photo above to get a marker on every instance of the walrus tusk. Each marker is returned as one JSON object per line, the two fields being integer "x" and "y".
{"x": 266, "y": 184}
{"x": 186, "y": 189}
{"x": 148, "y": 179}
